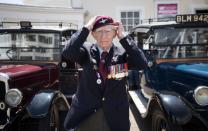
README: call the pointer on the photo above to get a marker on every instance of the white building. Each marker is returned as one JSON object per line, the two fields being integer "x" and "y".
{"x": 42, "y": 13}
{"x": 78, "y": 12}
{"x": 130, "y": 12}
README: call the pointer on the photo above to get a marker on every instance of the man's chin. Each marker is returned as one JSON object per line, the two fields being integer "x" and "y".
{"x": 105, "y": 45}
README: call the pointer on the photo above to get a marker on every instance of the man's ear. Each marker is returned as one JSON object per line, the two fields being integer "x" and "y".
{"x": 93, "y": 34}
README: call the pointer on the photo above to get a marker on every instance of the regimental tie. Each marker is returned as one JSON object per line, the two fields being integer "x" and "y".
{"x": 102, "y": 69}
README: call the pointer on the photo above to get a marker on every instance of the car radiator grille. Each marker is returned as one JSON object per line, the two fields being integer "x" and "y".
{"x": 3, "y": 110}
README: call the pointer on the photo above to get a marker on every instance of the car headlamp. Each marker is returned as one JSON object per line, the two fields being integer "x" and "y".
{"x": 13, "y": 97}
{"x": 201, "y": 95}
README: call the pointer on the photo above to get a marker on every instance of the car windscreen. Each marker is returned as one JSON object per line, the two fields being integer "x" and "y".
{"x": 30, "y": 46}
{"x": 181, "y": 42}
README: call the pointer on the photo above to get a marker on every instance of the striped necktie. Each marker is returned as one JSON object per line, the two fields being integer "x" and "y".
{"x": 102, "y": 69}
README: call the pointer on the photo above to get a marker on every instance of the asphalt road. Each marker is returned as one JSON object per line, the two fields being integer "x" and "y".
{"x": 138, "y": 123}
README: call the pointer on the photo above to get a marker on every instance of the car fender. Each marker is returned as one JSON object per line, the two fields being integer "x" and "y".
{"x": 174, "y": 108}
{"x": 41, "y": 103}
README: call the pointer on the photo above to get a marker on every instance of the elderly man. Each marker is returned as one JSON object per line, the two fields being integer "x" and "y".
{"x": 101, "y": 103}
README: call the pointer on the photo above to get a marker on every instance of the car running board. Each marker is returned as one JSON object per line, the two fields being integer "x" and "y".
{"x": 139, "y": 101}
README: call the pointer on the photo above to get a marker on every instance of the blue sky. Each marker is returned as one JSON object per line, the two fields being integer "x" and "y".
{"x": 12, "y": 1}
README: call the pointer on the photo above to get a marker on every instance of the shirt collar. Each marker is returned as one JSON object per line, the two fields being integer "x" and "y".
{"x": 101, "y": 50}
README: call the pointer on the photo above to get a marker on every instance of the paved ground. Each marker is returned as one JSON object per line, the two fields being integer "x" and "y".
{"x": 138, "y": 123}
{"x": 134, "y": 125}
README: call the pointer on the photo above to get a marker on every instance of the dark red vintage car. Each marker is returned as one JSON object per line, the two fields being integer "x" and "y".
{"x": 34, "y": 78}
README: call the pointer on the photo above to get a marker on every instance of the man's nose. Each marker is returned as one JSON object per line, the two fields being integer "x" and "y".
{"x": 104, "y": 33}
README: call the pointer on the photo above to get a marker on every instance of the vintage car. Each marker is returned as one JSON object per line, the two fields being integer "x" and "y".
{"x": 32, "y": 75}
{"x": 173, "y": 89}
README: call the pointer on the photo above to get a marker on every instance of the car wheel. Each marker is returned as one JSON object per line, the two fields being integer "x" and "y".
{"x": 161, "y": 123}
{"x": 51, "y": 121}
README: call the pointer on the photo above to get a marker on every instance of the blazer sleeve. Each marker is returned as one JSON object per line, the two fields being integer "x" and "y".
{"x": 74, "y": 49}
{"x": 135, "y": 56}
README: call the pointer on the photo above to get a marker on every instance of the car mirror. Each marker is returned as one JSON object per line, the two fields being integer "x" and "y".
{"x": 63, "y": 41}
{"x": 149, "y": 39}
{"x": 148, "y": 42}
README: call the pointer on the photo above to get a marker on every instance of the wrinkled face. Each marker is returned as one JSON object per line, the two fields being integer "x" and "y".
{"x": 104, "y": 36}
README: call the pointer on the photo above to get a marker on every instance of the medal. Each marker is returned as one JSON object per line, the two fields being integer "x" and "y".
{"x": 118, "y": 71}
{"x": 99, "y": 81}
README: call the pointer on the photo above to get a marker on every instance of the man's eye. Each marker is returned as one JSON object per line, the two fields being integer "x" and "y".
{"x": 107, "y": 31}
{"x": 100, "y": 31}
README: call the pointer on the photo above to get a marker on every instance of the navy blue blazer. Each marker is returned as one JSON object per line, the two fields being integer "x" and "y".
{"x": 89, "y": 97}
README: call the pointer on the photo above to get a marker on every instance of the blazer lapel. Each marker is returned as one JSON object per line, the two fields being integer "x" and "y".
{"x": 110, "y": 56}
{"x": 95, "y": 55}
{"x": 95, "y": 59}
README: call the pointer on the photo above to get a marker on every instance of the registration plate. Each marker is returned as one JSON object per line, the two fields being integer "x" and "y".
{"x": 192, "y": 18}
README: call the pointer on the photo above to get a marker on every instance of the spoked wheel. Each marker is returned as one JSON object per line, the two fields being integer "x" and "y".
{"x": 51, "y": 121}
{"x": 161, "y": 123}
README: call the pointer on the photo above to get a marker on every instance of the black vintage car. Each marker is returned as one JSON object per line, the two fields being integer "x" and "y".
{"x": 34, "y": 76}
{"x": 173, "y": 90}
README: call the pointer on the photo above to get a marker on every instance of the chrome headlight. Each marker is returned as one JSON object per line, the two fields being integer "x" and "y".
{"x": 201, "y": 95}
{"x": 13, "y": 97}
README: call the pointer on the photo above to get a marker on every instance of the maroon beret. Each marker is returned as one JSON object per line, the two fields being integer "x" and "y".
{"x": 102, "y": 21}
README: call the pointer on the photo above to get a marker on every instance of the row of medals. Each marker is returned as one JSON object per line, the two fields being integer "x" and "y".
{"x": 116, "y": 72}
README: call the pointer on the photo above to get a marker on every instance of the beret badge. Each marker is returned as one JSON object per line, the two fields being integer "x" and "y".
{"x": 102, "y": 21}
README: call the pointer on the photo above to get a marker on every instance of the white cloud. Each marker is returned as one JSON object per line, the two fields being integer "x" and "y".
{"x": 12, "y": 1}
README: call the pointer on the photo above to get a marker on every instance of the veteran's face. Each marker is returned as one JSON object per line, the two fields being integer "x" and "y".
{"x": 104, "y": 36}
